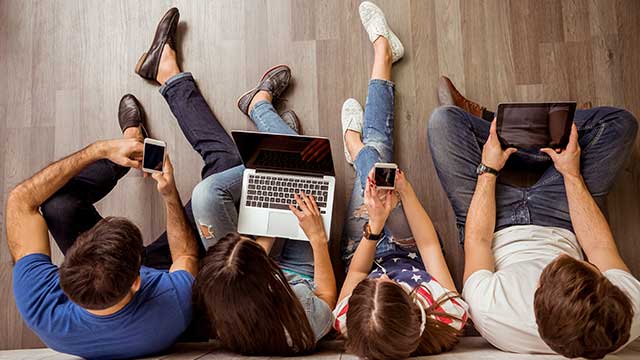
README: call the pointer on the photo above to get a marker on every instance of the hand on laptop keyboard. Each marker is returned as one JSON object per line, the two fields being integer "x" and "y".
{"x": 309, "y": 218}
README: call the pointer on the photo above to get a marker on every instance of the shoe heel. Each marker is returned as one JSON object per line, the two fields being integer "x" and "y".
{"x": 139, "y": 64}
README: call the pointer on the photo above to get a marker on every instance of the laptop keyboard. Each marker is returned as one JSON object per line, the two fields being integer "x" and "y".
{"x": 274, "y": 192}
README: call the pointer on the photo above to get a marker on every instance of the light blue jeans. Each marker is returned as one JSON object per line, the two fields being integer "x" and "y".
{"x": 377, "y": 137}
{"x": 216, "y": 199}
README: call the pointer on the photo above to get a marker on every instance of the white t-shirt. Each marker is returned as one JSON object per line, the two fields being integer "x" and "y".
{"x": 501, "y": 302}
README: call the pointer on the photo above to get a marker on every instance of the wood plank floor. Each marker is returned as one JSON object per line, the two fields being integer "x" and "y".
{"x": 65, "y": 64}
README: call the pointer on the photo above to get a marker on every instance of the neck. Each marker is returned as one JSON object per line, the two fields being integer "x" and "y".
{"x": 115, "y": 308}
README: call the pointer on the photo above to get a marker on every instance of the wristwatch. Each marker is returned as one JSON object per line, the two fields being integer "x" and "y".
{"x": 484, "y": 169}
{"x": 366, "y": 233}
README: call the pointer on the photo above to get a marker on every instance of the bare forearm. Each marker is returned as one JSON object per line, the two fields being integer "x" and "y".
{"x": 426, "y": 239}
{"x": 419, "y": 221}
{"x": 481, "y": 217}
{"x": 591, "y": 227}
{"x": 31, "y": 193}
{"x": 323, "y": 274}
{"x": 481, "y": 221}
{"x": 363, "y": 257}
{"x": 181, "y": 238}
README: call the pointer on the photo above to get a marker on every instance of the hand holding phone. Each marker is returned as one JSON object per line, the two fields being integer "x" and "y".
{"x": 384, "y": 175}
{"x": 153, "y": 155}
{"x": 165, "y": 181}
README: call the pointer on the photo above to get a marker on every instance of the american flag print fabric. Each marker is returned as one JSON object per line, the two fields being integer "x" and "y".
{"x": 407, "y": 269}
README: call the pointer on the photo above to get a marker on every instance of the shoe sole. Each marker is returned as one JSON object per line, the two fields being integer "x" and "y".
{"x": 261, "y": 79}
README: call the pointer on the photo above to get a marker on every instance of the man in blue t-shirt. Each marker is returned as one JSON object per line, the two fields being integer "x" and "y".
{"x": 112, "y": 297}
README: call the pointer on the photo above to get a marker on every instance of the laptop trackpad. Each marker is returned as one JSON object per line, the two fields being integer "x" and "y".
{"x": 283, "y": 224}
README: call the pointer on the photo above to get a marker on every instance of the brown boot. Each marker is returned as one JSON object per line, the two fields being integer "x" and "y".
{"x": 585, "y": 105}
{"x": 449, "y": 95}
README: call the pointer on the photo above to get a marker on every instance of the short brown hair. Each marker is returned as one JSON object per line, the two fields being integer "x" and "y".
{"x": 249, "y": 301}
{"x": 102, "y": 264}
{"x": 579, "y": 312}
{"x": 383, "y": 322}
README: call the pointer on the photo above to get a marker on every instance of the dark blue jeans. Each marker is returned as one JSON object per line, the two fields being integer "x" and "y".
{"x": 71, "y": 211}
{"x": 456, "y": 138}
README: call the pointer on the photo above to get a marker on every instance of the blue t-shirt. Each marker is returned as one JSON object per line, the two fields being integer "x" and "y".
{"x": 158, "y": 313}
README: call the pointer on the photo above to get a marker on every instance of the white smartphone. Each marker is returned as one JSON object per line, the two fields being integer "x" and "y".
{"x": 384, "y": 175}
{"x": 153, "y": 155}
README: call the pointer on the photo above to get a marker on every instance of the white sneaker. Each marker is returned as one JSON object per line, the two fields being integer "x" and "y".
{"x": 352, "y": 119}
{"x": 376, "y": 25}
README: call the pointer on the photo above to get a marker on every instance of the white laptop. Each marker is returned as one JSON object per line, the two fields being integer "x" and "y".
{"x": 277, "y": 166}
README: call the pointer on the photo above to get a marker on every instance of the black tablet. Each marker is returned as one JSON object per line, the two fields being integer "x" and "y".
{"x": 532, "y": 126}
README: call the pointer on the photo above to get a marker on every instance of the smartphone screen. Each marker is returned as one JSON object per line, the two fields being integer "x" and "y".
{"x": 385, "y": 177}
{"x": 153, "y": 156}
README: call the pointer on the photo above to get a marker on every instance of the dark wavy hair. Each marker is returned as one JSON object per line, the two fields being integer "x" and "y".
{"x": 102, "y": 264}
{"x": 383, "y": 322}
{"x": 249, "y": 301}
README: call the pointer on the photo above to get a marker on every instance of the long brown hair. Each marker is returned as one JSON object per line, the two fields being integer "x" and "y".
{"x": 249, "y": 302}
{"x": 579, "y": 312}
{"x": 383, "y": 322}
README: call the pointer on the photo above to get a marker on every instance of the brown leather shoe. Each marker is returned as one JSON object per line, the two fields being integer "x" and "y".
{"x": 291, "y": 119}
{"x": 275, "y": 81}
{"x": 585, "y": 105}
{"x": 147, "y": 66}
{"x": 131, "y": 114}
{"x": 449, "y": 95}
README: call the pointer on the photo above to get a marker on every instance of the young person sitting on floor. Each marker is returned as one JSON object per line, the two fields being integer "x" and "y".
{"x": 391, "y": 306}
{"x": 528, "y": 286}
{"x": 266, "y": 296}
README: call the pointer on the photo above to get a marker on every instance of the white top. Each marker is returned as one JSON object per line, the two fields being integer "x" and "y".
{"x": 501, "y": 302}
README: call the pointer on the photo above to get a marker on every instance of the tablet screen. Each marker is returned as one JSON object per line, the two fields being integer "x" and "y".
{"x": 532, "y": 126}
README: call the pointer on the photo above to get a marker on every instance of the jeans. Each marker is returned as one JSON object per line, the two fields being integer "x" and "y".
{"x": 377, "y": 137}
{"x": 216, "y": 200}
{"x": 71, "y": 211}
{"x": 456, "y": 138}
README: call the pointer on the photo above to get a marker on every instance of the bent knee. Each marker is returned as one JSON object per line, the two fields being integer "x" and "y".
{"x": 445, "y": 116}
{"x": 628, "y": 123}
{"x": 59, "y": 206}
{"x": 206, "y": 193}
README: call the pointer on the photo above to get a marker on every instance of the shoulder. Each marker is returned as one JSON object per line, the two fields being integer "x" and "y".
{"x": 317, "y": 311}
{"x": 340, "y": 315}
{"x": 36, "y": 287}
{"x": 628, "y": 284}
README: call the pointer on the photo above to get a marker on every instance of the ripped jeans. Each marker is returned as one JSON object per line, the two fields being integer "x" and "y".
{"x": 216, "y": 199}
{"x": 377, "y": 137}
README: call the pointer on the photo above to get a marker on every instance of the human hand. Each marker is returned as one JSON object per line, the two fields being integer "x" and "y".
{"x": 492, "y": 154}
{"x": 165, "y": 181}
{"x": 403, "y": 186}
{"x": 309, "y": 218}
{"x": 124, "y": 152}
{"x": 567, "y": 161}
{"x": 316, "y": 151}
{"x": 377, "y": 209}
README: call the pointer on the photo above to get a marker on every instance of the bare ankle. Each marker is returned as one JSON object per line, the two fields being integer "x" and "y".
{"x": 133, "y": 132}
{"x": 168, "y": 66}
{"x": 260, "y": 96}
{"x": 353, "y": 140}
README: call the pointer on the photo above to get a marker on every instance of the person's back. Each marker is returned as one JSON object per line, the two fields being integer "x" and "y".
{"x": 154, "y": 318}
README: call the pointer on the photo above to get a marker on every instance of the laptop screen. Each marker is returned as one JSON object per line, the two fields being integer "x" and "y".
{"x": 294, "y": 154}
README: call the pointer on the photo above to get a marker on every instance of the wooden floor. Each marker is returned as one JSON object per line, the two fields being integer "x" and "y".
{"x": 469, "y": 348}
{"x": 65, "y": 65}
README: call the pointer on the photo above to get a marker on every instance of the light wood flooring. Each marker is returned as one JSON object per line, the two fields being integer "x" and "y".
{"x": 65, "y": 64}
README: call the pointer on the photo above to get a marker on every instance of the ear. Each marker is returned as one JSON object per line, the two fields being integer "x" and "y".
{"x": 136, "y": 284}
